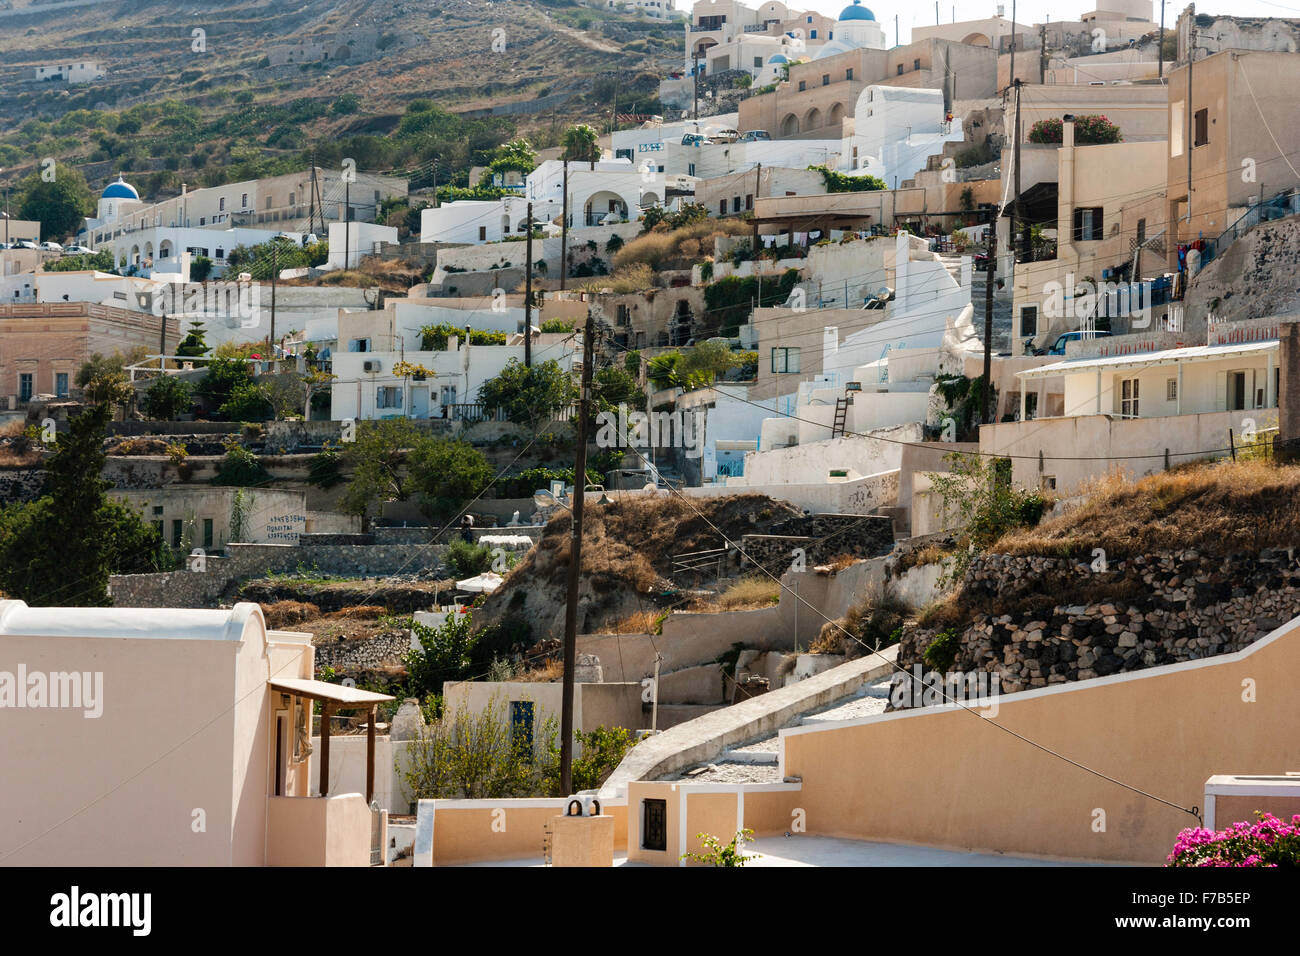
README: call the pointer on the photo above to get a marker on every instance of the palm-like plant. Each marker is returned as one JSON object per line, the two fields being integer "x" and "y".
{"x": 581, "y": 144}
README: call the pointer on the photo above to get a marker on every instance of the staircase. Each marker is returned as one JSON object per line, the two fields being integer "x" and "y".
{"x": 1001, "y": 311}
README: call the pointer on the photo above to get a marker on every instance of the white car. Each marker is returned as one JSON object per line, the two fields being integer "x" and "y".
{"x": 78, "y": 251}
{"x": 48, "y": 246}
{"x": 25, "y": 244}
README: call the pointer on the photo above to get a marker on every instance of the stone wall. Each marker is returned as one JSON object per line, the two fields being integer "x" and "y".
{"x": 822, "y": 536}
{"x": 1146, "y": 611}
{"x": 204, "y": 587}
{"x": 21, "y": 484}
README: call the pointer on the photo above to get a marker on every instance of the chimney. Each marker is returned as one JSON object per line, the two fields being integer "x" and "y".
{"x": 1288, "y": 393}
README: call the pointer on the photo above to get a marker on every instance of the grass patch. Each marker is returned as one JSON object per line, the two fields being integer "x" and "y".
{"x": 1219, "y": 509}
{"x": 751, "y": 591}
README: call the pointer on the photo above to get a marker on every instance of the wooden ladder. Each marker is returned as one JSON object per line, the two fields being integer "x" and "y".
{"x": 841, "y": 415}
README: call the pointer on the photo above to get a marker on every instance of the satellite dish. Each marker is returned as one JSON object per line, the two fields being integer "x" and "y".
{"x": 544, "y": 499}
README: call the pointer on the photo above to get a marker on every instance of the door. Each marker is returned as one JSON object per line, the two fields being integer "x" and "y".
{"x": 419, "y": 401}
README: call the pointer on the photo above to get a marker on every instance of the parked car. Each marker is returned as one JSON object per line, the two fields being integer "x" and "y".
{"x": 78, "y": 251}
{"x": 48, "y": 246}
{"x": 695, "y": 139}
{"x": 1058, "y": 347}
{"x": 25, "y": 244}
{"x": 754, "y": 136}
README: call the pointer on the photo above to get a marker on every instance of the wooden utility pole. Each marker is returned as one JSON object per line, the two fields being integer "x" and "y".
{"x": 1160, "y": 47}
{"x": 564, "y": 231}
{"x": 696, "y": 87}
{"x": 575, "y": 561}
{"x": 992, "y": 266}
{"x": 275, "y": 270}
{"x": 528, "y": 294}
{"x": 1012, "y": 73}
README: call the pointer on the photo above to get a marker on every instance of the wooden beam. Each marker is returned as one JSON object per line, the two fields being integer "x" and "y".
{"x": 370, "y": 743}
{"x": 326, "y": 706}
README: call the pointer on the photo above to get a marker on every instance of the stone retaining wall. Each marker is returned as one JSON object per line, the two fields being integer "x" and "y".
{"x": 1150, "y": 610}
{"x": 822, "y": 536}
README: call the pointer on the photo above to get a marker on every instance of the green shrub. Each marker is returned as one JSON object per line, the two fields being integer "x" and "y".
{"x": 465, "y": 560}
{"x": 942, "y": 651}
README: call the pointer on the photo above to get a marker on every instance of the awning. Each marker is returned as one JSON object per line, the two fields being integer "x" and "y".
{"x": 1195, "y": 353}
{"x": 325, "y": 691}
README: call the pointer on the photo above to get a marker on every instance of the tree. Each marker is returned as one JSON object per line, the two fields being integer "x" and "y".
{"x": 104, "y": 381}
{"x": 59, "y": 205}
{"x": 377, "y": 458}
{"x": 259, "y": 261}
{"x": 712, "y": 358}
{"x": 529, "y": 396}
{"x": 60, "y": 549}
{"x": 101, "y": 261}
{"x": 223, "y": 377}
{"x": 581, "y": 144}
{"x": 193, "y": 343}
{"x": 515, "y": 156}
{"x": 167, "y": 397}
{"x": 447, "y": 472}
{"x": 249, "y": 402}
{"x": 200, "y": 268}
{"x": 614, "y": 386}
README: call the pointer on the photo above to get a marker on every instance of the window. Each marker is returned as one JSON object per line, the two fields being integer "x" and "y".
{"x": 803, "y": 85}
{"x": 735, "y": 204}
{"x": 1029, "y": 320}
{"x": 689, "y": 172}
{"x": 359, "y": 345}
{"x": 826, "y": 79}
{"x": 848, "y": 74}
{"x": 268, "y": 202}
{"x": 221, "y": 253}
{"x": 900, "y": 69}
{"x": 25, "y": 387}
{"x": 1176, "y": 123}
{"x": 916, "y": 64}
{"x": 749, "y": 200}
{"x": 785, "y": 359}
{"x": 1031, "y": 406}
{"x": 388, "y": 396}
{"x": 207, "y": 532}
{"x": 61, "y": 384}
{"x": 758, "y": 62}
{"x": 812, "y": 34}
{"x": 654, "y": 825}
{"x": 482, "y": 233}
{"x": 178, "y": 532}
{"x": 521, "y": 724}
{"x": 221, "y": 204}
{"x": 1142, "y": 231}
{"x": 1171, "y": 390}
{"x": 1087, "y": 224}
{"x": 1200, "y": 127}
{"x": 1049, "y": 482}
{"x": 243, "y": 203}
{"x": 1128, "y": 398}
{"x": 203, "y": 220}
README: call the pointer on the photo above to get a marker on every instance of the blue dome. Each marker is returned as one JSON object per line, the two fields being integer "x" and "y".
{"x": 777, "y": 58}
{"x": 856, "y": 12}
{"x": 120, "y": 189}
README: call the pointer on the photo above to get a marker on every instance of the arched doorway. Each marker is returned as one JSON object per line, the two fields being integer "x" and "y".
{"x": 790, "y": 125}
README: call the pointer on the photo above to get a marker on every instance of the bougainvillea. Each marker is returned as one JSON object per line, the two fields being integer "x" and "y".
{"x": 1266, "y": 842}
{"x": 1089, "y": 130}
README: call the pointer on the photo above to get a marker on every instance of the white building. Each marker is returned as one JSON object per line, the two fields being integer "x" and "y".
{"x": 896, "y": 130}
{"x": 599, "y": 193}
{"x": 83, "y": 72}
{"x": 350, "y": 242}
{"x": 475, "y": 221}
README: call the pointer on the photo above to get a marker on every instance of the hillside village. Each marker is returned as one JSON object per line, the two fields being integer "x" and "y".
{"x": 645, "y": 423}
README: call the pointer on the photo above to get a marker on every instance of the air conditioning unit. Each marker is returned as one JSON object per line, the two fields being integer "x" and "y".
{"x": 371, "y": 366}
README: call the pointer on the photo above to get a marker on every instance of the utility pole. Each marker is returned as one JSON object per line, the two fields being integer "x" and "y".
{"x": 1191, "y": 58}
{"x": 435, "y": 182}
{"x": 1017, "y": 216}
{"x": 564, "y": 231}
{"x": 987, "y": 416}
{"x": 528, "y": 294}
{"x": 275, "y": 271}
{"x": 696, "y": 86}
{"x": 575, "y": 561}
{"x": 1042, "y": 53}
{"x": 162, "y": 342}
{"x": 1160, "y": 47}
{"x": 1012, "y": 76}
{"x": 347, "y": 222}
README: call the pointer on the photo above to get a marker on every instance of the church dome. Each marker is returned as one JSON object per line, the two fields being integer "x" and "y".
{"x": 856, "y": 11}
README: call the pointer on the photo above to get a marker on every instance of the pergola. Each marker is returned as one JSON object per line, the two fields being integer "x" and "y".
{"x": 337, "y": 697}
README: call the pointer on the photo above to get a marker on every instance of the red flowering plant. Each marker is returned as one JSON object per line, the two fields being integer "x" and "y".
{"x": 1090, "y": 130}
{"x": 1266, "y": 842}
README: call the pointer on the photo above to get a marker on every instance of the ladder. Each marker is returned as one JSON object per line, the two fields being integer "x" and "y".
{"x": 841, "y": 415}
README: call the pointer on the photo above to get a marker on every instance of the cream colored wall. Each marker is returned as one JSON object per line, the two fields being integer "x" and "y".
{"x": 122, "y": 789}
{"x": 319, "y": 831}
{"x": 467, "y": 831}
{"x": 1164, "y": 730}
